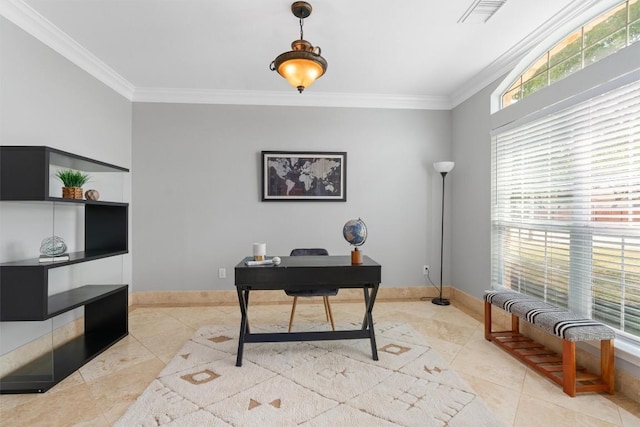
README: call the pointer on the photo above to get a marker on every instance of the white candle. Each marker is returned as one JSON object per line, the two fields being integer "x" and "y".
{"x": 259, "y": 251}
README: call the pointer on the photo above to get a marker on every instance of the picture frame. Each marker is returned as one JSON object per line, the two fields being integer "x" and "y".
{"x": 304, "y": 176}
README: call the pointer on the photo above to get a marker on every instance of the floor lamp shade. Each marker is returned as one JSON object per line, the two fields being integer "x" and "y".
{"x": 443, "y": 168}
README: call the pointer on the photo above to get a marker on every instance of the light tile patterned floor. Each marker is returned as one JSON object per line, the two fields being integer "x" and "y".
{"x": 101, "y": 391}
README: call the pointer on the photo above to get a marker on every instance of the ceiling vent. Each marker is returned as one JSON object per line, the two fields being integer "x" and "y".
{"x": 481, "y": 11}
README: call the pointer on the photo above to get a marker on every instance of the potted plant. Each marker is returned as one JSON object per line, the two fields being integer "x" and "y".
{"x": 73, "y": 182}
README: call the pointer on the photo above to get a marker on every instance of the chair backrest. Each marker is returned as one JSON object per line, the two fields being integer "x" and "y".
{"x": 309, "y": 251}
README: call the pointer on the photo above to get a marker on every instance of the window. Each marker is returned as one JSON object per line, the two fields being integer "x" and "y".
{"x": 604, "y": 35}
{"x": 566, "y": 205}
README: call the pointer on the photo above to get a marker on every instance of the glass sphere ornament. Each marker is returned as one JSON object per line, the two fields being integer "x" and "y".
{"x": 52, "y": 246}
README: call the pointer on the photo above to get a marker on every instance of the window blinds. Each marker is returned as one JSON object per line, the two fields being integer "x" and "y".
{"x": 566, "y": 207}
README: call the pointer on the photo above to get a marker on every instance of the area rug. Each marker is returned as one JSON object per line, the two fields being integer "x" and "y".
{"x": 321, "y": 383}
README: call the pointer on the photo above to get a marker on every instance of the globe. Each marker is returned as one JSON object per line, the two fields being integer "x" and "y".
{"x": 355, "y": 232}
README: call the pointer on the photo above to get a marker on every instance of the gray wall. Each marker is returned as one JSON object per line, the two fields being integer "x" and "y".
{"x": 471, "y": 194}
{"x": 46, "y": 100}
{"x": 197, "y": 189}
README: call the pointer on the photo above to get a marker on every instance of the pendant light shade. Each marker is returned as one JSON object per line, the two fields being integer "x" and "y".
{"x": 303, "y": 64}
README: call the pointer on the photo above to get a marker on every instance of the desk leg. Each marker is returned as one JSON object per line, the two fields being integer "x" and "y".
{"x": 365, "y": 321}
{"x": 368, "y": 318}
{"x": 246, "y": 308}
{"x": 243, "y": 300}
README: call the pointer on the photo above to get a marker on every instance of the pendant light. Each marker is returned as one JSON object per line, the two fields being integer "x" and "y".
{"x": 303, "y": 64}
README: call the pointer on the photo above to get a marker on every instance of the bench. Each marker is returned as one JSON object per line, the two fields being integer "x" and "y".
{"x": 561, "y": 323}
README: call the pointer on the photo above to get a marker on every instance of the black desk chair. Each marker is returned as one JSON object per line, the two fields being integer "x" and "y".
{"x": 324, "y": 293}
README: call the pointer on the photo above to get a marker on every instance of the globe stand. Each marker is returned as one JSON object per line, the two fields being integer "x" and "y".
{"x": 356, "y": 257}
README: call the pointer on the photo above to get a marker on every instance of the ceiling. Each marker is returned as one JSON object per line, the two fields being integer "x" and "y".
{"x": 410, "y": 53}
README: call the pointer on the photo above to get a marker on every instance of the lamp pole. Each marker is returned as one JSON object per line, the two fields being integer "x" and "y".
{"x": 443, "y": 168}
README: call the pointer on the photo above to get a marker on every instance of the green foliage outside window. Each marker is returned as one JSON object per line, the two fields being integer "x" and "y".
{"x": 605, "y": 47}
{"x": 560, "y": 53}
{"x": 563, "y": 69}
{"x": 533, "y": 84}
{"x": 634, "y": 10}
{"x": 615, "y": 20}
{"x": 634, "y": 32}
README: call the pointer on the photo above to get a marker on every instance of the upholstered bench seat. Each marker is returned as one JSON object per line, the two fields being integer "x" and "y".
{"x": 561, "y": 323}
{"x": 553, "y": 320}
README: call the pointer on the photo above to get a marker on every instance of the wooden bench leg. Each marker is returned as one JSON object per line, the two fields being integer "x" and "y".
{"x": 607, "y": 363}
{"x": 515, "y": 323}
{"x": 569, "y": 367}
{"x": 487, "y": 320}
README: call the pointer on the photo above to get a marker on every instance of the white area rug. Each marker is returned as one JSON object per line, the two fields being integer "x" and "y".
{"x": 322, "y": 383}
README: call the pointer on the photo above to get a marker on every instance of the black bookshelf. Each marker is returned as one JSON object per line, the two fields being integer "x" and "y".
{"x": 24, "y": 284}
{"x": 105, "y": 324}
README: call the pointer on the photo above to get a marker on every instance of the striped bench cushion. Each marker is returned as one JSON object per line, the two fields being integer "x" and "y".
{"x": 554, "y": 320}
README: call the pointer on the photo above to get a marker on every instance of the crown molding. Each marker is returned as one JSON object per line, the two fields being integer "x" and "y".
{"x": 29, "y": 20}
{"x": 26, "y": 18}
{"x": 39, "y": 27}
{"x": 508, "y": 60}
{"x": 290, "y": 98}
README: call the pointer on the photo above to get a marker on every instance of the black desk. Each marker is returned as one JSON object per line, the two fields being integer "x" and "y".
{"x": 302, "y": 272}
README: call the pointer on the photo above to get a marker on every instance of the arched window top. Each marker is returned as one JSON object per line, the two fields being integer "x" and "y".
{"x": 609, "y": 32}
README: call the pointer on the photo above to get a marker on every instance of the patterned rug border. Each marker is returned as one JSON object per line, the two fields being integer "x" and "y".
{"x": 315, "y": 383}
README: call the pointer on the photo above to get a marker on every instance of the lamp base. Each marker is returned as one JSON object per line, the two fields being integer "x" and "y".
{"x": 441, "y": 301}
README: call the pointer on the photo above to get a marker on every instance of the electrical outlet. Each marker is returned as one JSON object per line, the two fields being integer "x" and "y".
{"x": 425, "y": 270}
{"x": 222, "y": 273}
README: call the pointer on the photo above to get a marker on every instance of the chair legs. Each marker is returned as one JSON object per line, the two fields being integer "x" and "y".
{"x": 293, "y": 312}
{"x": 327, "y": 312}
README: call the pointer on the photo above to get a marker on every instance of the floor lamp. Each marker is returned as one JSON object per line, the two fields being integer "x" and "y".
{"x": 443, "y": 168}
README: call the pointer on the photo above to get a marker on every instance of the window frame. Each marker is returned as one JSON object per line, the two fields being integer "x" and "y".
{"x": 556, "y": 37}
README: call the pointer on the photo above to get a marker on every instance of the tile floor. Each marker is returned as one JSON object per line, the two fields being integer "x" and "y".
{"x": 101, "y": 391}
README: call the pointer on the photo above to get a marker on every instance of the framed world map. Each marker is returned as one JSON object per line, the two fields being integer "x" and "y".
{"x": 304, "y": 175}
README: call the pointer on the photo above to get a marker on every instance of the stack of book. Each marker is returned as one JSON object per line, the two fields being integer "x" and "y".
{"x": 258, "y": 263}
{"x": 54, "y": 258}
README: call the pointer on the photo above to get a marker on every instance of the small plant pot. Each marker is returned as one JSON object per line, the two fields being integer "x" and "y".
{"x": 72, "y": 192}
